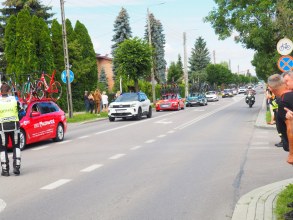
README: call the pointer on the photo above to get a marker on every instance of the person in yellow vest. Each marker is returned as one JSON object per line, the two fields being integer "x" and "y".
{"x": 9, "y": 128}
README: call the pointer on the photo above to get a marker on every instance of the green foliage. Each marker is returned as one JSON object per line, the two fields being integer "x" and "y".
{"x": 284, "y": 198}
{"x": 260, "y": 24}
{"x": 200, "y": 57}
{"x": 10, "y": 42}
{"x": 103, "y": 82}
{"x": 158, "y": 44}
{"x": 218, "y": 74}
{"x": 133, "y": 59}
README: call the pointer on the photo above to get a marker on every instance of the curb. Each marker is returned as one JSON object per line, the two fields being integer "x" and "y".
{"x": 260, "y": 203}
{"x": 261, "y": 118}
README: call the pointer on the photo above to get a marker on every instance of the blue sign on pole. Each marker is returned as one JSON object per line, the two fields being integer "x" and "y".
{"x": 285, "y": 63}
{"x": 71, "y": 76}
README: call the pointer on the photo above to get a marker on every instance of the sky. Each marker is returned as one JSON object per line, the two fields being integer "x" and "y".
{"x": 176, "y": 16}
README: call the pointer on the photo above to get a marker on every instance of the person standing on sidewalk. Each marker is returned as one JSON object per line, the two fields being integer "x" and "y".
{"x": 9, "y": 128}
{"x": 278, "y": 86}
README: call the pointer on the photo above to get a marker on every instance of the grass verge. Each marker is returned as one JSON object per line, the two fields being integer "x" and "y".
{"x": 80, "y": 117}
{"x": 285, "y": 197}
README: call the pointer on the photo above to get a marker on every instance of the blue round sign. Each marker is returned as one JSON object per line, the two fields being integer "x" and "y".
{"x": 71, "y": 76}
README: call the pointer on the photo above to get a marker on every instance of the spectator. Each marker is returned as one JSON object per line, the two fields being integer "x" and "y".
{"x": 118, "y": 93}
{"x": 98, "y": 99}
{"x": 278, "y": 86}
{"x": 86, "y": 101}
{"x": 271, "y": 98}
{"x": 91, "y": 101}
{"x": 105, "y": 101}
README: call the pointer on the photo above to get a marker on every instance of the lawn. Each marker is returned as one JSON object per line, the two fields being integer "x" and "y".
{"x": 285, "y": 197}
{"x": 80, "y": 117}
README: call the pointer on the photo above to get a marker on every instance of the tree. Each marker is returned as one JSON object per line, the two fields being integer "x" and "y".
{"x": 103, "y": 81}
{"x": 200, "y": 57}
{"x": 259, "y": 24}
{"x": 10, "y": 42}
{"x": 122, "y": 31}
{"x": 13, "y": 7}
{"x": 158, "y": 43}
{"x": 175, "y": 71}
{"x": 133, "y": 59}
{"x": 218, "y": 74}
{"x": 57, "y": 46}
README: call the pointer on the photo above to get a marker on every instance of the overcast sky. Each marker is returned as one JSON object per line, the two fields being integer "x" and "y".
{"x": 176, "y": 16}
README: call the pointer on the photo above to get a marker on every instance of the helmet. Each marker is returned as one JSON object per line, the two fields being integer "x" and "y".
{"x": 249, "y": 87}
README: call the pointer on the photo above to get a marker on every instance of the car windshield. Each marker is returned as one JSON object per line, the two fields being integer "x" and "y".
{"x": 227, "y": 90}
{"x": 169, "y": 96}
{"x": 211, "y": 93}
{"x": 194, "y": 94}
{"x": 127, "y": 97}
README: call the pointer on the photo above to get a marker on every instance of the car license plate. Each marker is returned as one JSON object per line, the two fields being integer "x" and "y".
{"x": 120, "y": 110}
{"x": 164, "y": 106}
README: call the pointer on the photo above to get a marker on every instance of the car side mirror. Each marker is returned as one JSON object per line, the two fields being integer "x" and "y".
{"x": 35, "y": 114}
{"x": 142, "y": 100}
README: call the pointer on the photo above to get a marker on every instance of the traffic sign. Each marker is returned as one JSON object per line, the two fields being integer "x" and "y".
{"x": 71, "y": 76}
{"x": 285, "y": 46}
{"x": 285, "y": 63}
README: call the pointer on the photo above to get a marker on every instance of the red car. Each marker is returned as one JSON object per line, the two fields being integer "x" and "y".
{"x": 43, "y": 120}
{"x": 170, "y": 101}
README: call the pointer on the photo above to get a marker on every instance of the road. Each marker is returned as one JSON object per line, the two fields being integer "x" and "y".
{"x": 189, "y": 164}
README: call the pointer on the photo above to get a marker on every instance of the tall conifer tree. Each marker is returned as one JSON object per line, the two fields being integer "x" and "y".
{"x": 158, "y": 43}
{"x": 10, "y": 42}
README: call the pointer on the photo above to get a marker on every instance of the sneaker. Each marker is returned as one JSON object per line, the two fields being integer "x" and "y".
{"x": 5, "y": 173}
{"x": 279, "y": 144}
{"x": 16, "y": 171}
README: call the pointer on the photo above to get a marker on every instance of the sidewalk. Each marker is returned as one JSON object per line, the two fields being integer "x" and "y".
{"x": 259, "y": 204}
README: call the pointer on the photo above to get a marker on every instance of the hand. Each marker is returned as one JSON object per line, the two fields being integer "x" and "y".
{"x": 289, "y": 114}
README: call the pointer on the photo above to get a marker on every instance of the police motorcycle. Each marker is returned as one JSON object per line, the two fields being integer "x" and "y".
{"x": 250, "y": 98}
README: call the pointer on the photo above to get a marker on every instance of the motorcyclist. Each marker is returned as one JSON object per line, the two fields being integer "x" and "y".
{"x": 250, "y": 96}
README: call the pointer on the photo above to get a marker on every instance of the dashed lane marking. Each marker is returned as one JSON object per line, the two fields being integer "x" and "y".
{"x": 116, "y": 156}
{"x": 64, "y": 142}
{"x": 170, "y": 132}
{"x": 162, "y": 135}
{"x": 150, "y": 141}
{"x": 2, "y": 205}
{"x": 92, "y": 168}
{"x": 135, "y": 148}
{"x": 56, "y": 184}
{"x": 40, "y": 148}
{"x": 82, "y": 137}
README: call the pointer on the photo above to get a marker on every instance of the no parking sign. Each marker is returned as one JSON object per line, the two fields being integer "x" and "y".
{"x": 285, "y": 63}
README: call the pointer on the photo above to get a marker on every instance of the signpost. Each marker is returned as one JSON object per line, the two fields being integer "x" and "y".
{"x": 285, "y": 63}
{"x": 285, "y": 46}
{"x": 71, "y": 76}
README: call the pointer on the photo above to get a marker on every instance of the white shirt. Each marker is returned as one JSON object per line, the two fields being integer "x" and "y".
{"x": 105, "y": 99}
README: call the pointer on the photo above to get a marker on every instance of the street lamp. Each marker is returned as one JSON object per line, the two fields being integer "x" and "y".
{"x": 150, "y": 43}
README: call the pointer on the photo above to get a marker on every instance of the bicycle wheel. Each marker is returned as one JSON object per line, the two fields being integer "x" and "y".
{"x": 55, "y": 91}
{"x": 39, "y": 90}
{"x": 26, "y": 92}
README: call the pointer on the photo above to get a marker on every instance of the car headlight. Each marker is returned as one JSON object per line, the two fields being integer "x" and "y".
{"x": 133, "y": 105}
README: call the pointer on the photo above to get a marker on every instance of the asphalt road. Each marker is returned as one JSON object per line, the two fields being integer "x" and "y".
{"x": 189, "y": 164}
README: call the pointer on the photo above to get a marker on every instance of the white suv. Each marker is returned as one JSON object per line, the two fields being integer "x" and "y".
{"x": 130, "y": 105}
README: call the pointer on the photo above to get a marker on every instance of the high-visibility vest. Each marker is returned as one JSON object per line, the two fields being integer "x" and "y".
{"x": 274, "y": 104}
{"x": 8, "y": 109}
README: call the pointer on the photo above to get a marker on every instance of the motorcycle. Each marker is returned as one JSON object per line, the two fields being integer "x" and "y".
{"x": 250, "y": 99}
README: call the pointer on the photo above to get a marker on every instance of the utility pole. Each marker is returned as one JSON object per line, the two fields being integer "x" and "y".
{"x": 185, "y": 65}
{"x": 152, "y": 69}
{"x": 214, "y": 55}
{"x": 66, "y": 61}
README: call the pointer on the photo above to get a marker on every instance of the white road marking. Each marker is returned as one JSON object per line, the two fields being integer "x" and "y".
{"x": 56, "y": 184}
{"x": 170, "y": 132}
{"x": 40, "y": 148}
{"x": 163, "y": 121}
{"x": 2, "y": 205}
{"x": 132, "y": 124}
{"x": 82, "y": 137}
{"x": 162, "y": 135}
{"x": 150, "y": 141}
{"x": 198, "y": 110}
{"x": 135, "y": 148}
{"x": 203, "y": 116}
{"x": 65, "y": 142}
{"x": 116, "y": 156}
{"x": 92, "y": 168}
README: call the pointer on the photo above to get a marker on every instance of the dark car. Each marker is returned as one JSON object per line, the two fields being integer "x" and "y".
{"x": 196, "y": 99}
{"x": 227, "y": 93}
